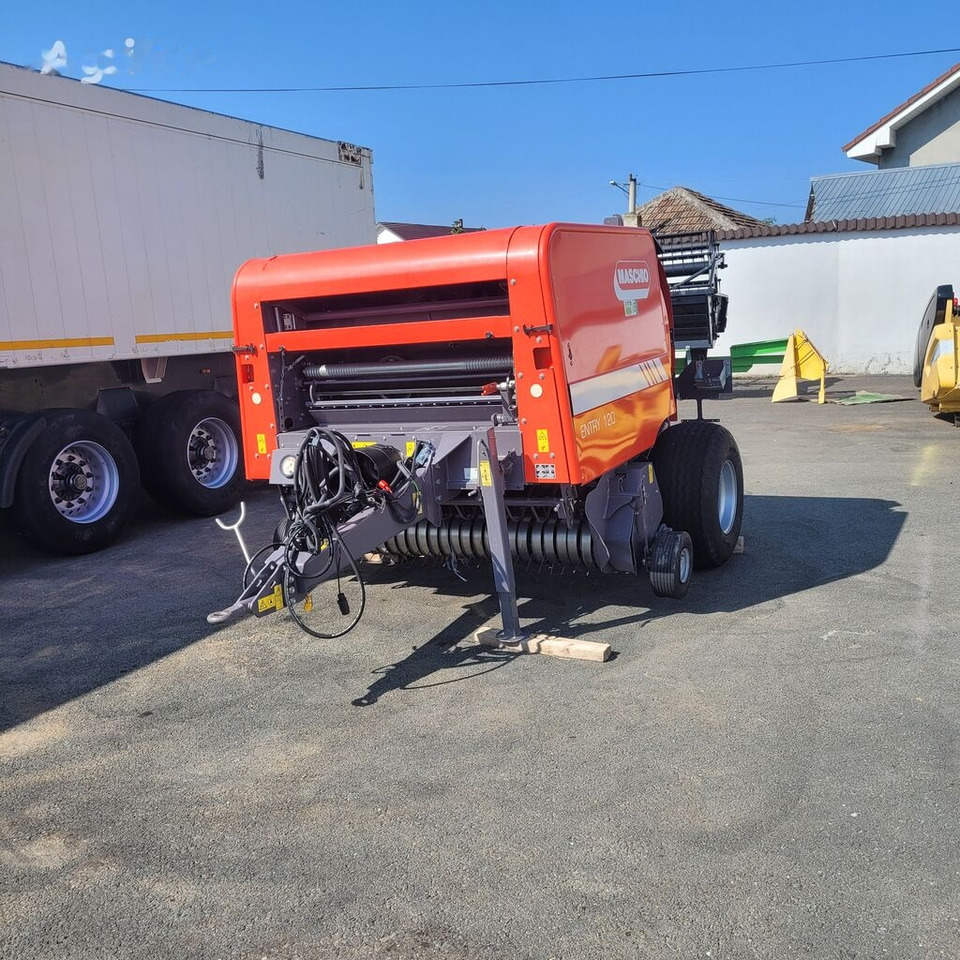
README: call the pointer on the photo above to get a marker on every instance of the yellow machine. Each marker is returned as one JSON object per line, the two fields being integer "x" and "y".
{"x": 935, "y": 368}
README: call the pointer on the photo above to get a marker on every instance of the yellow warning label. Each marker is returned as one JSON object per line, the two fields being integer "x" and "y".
{"x": 486, "y": 477}
{"x": 360, "y": 444}
{"x": 543, "y": 441}
{"x": 411, "y": 446}
{"x": 261, "y": 443}
{"x": 272, "y": 601}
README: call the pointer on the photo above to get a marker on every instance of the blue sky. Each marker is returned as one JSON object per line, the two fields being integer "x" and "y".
{"x": 532, "y": 154}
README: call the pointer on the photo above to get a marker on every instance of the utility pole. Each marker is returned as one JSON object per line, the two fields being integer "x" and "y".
{"x": 631, "y": 218}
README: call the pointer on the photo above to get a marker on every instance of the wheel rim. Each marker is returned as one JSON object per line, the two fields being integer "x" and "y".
{"x": 686, "y": 562}
{"x": 212, "y": 453}
{"x": 727, "y": 497}
{"x": 84, "y": 482}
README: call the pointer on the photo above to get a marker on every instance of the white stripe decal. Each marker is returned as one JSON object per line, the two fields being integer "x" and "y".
{"x": 616, "y": 385}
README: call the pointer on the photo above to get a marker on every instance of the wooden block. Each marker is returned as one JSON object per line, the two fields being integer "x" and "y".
{"x": 739, "y": 548}
{"x": 549, "y": 646}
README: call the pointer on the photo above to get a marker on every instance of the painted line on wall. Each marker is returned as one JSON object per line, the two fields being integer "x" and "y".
{"x": 56, "y": 344}
{"x": 170, "y": 337}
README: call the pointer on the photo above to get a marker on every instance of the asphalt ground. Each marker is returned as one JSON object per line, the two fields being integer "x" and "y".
{"x": 768, "y": 768}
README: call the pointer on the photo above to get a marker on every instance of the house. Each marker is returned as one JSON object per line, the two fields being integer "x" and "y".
{"x": 925, "y": 129}
{"x": 682, "y": 210}
{"x": 389, "y": 231}
{"x": 856, "y": 275}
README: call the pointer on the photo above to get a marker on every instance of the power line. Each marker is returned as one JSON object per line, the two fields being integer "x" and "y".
{"x": 549, "y": 80}
{"x": 762, "y": 203}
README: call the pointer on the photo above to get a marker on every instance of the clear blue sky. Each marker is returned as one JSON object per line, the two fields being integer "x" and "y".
{"x": 524, "y": 155}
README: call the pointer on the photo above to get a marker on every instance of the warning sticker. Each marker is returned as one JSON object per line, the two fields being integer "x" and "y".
{"x": 543, "y": 441}
{"x": 630, "y": 308}
{"x": 411, "y": 446}
{"x": 272, "y": 601}
{"x": 486, "y": 477}
{"x": 261, "y": 443}
{"x": 360, "y": 444}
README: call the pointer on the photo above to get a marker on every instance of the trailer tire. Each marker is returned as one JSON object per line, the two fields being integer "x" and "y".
{"x": 86, "y": 457}
{"x": 700, "y": 474}
{"x": 188, "y": 444}
{"x": 671, "y": 562}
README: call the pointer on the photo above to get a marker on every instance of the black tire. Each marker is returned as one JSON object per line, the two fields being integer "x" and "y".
{"x": 933, "y": 315}
{"x": 671, "y": 562}
{"x": 171, "y": 439}
{"x": 689, "y": 460}
{"x": 53, "y": 513}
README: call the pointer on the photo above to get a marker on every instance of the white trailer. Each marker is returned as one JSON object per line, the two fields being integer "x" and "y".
{"x": 123, "y": 220}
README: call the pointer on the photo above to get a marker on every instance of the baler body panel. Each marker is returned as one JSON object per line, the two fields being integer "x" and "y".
{"x": 581, "y": 312}
{"x": 608, "y": 301}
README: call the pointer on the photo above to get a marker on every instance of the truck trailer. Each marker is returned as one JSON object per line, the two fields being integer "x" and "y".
{"x": 124, "y": 219}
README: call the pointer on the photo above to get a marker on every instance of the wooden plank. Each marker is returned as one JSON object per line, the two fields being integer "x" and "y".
{"x": 549, "y": 646}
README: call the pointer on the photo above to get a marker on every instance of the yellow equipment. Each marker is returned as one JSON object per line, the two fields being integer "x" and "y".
{"x": 801, "y": 361}
{"x": 935, "y": 369}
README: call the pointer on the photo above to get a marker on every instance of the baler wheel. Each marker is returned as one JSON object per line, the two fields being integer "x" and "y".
{"x": 701, "y": 481}
{"x": 671, "y": 562}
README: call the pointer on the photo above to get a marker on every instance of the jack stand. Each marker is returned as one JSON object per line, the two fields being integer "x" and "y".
{"x": 494, "y": 511}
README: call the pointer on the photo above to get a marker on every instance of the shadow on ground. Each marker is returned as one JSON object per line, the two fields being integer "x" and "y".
{"x": 94, "y": 619}
{"x": 793, "y": 544}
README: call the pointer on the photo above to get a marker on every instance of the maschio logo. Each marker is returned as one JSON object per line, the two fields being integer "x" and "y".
{"x": 631, "y": 280}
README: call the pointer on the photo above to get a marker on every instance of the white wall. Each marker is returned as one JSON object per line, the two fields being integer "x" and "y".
{"x": 859, "y": 296}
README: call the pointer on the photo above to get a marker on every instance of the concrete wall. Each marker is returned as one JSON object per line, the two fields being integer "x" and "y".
{"x": 933, "y": 137}
{"x": 859, "y": 296}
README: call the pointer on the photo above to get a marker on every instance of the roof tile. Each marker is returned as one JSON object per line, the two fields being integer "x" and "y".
{"x": 682, "y": 210}
{"x": 842, "y": 226}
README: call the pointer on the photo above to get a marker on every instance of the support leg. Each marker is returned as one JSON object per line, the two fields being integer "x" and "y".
{"x": 491, "y": 491}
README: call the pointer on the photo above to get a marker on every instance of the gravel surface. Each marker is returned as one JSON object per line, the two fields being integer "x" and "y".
{"x": 767, "y": 768}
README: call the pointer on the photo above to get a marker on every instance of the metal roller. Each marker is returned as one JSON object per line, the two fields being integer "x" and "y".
{"x": 393, "y": 368}
{"x": 539, "y": 541}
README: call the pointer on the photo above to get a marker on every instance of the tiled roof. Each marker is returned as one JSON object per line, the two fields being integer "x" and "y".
{"x": 843, "y": 226}
{"x": 903, "y": 106}
{"x": 886, "y": 193}
{"x": 682, "y": 210}
{"x": 419, "y": 231}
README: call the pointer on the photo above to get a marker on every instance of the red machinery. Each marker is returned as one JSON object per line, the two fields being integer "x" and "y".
{"x": 505, "y": 394}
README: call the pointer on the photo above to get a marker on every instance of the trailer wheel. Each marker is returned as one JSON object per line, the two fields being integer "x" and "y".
{"x": 78, "y": 484}
{"x": 700, "y": 475}
{"x": 671, "y": 563}
{"x": 188, "y": 444}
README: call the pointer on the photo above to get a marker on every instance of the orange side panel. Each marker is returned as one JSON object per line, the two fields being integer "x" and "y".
{"x": 589, "y": 321}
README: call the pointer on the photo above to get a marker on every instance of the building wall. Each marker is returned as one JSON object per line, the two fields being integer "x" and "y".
{"x": 933, "y": 137}
{"x": 858, "y": 296}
